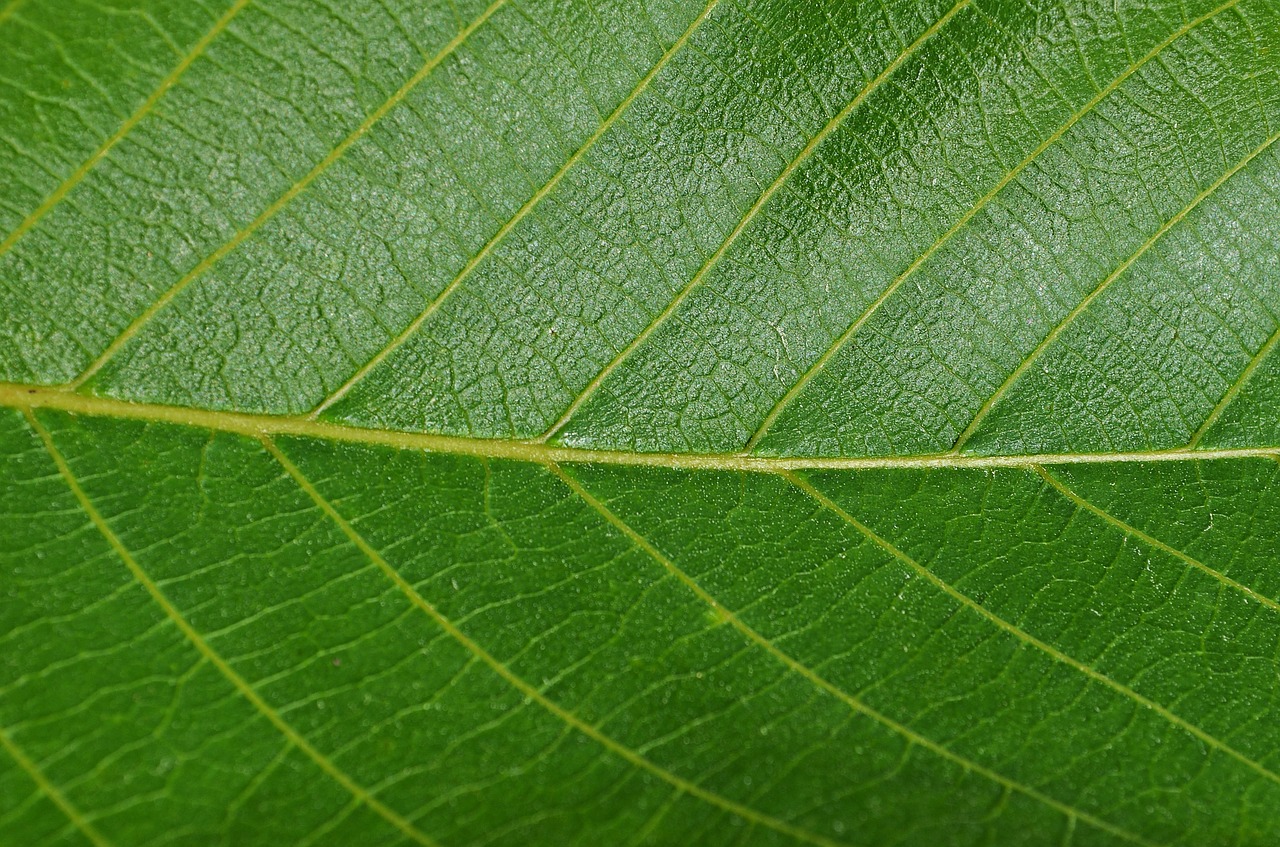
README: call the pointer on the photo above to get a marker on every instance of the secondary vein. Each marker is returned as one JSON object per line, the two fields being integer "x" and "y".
{"x": 964, "y": 219}
{"x": 284, "y": 199}
{"x": 1234, "y": 389}
{"x": 746, "y": 219}
{"x": 1026, "y": 637}
{"x": 52, "y": 791}
{"x": 1150, "y": 540}
{"x": 125, "y": 128}
{"x": 821, "y": 682}
{"x": 515, "y": 219}
{"x": 1097, "y": 292}
{"x": 206, "y": 650}
{"x": 523, "y": 686}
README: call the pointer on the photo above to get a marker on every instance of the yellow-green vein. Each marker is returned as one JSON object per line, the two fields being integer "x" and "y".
{"x": 239, "y": 683}
{"x": 1151, "y": 541}
{"x": 1026, "y": 637}
{"x": 750, "y": 215}
{"x": 963, "y": 220}
{"x": 51, "y": 791}
{"x": 9, "y": 9}
{"x": 523, "y": 686}
{"x": 515, "y": 219}
{"x": 142, "y": 111}
{"x": 1231, "y": 392}
{"x": 23, "y": 397}
{"x": 1097, "y": 292}
{"x": 812, "y": 676}
{"x": 284, "y": 199}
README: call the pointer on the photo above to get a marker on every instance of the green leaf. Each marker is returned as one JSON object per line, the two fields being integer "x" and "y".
{"x": 639, "y": 422}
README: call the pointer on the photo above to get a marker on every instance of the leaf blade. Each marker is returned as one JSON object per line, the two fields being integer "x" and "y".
{"x": 640, "y": 422}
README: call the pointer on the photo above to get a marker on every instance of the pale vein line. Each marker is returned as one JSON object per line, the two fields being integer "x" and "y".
{"x": 51, "y": 791}
{"x": 1151, "y": 540}
{"x": 25, "y": 397}
{"x": 212, "y": 656}
{"x": 125, "y": 128}
{"x": 759, "y": 204}
{"x": 1235, "y": 388}
{"x": 517, "y": 217}
{"x": 284, "y": 199}
{"x": 1097, "y": 292}
{"x": 7, "y": 12}
{"x": 1029, "y": 639}
{"x": 973, "y": 210}
{"x": 523, "y": 686}
{"x": 812, "y": 676}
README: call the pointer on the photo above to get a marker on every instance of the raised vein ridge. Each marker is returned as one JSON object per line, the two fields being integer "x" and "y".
{"x": 42, "y": 782}
{"x": 125, "y": 128}
{"x": 1026, "y": 637}
{"x": 287, "y": 197}
{"x": 782, "y": 178}
{"x": 821, "y": 682}
{"x": 961, "y": 222}
{"x": 1097, "y": 292}
{"x": 29, "y": 397}
{"x": 526, "y": 688}
{"x": 358, "y": 792}
{"x": 537, "y": 197}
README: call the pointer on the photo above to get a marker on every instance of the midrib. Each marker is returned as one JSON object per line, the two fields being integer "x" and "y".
{"x": 23, "y": 397}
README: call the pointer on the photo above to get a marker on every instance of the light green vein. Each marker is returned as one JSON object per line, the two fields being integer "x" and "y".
{"x": 8, "y": 10}
{"x": 813, "y": 677}
{"x": 125, "y": 128}
{"x": 964, "y": 219}
{"x": 1084, "y": 304}
{"x": 523, "y": 686}
{"x": 203, "y": 647}
{"x": 1029, "y": 639}
{"x": 26, "y": 397}
{"x": 51, "y": 791}
{"x": 284, "y": 199}
{"x": 1231, "y": 393}
{"x": 1152, "y": 541}
{"x": 746, "y": 220}
{"x": 524, "y": 210}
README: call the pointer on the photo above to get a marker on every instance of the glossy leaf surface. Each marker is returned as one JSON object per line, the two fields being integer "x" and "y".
{"x": 639, "y": 422}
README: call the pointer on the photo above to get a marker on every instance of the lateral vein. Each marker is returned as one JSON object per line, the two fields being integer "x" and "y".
{"x": 963, "y": 220}
{"x": 515, "y": 219}
{"x": 1150, "y": 540}
{"x": 1097, "y": 292}
{"x": 821, "y": 682}
{"x": 284, "y": 199}
{"x": 55, "y": 795}
{"x": 746, "y": 219}
{"x": 125, "y": 128}
{"x": 206, "y": 650}
{"x": 1026, "y": 637}
{"x": 519, "y": 683}
{"x": 1234, "y": 389}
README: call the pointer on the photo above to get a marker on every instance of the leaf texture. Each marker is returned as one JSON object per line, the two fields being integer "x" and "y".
{"x": 639, "y": 422}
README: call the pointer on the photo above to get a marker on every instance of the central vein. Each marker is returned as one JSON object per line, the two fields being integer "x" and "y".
{"x": 30, "y": 397}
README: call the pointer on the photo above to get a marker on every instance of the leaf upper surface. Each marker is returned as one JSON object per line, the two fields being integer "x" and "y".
{"x": 639, "y": 422}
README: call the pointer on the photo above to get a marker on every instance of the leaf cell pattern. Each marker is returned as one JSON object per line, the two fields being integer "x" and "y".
{"x": 639, "y": 422}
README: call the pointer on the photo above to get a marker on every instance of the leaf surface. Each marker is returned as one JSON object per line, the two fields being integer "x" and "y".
{"x": 639, "y": 422}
